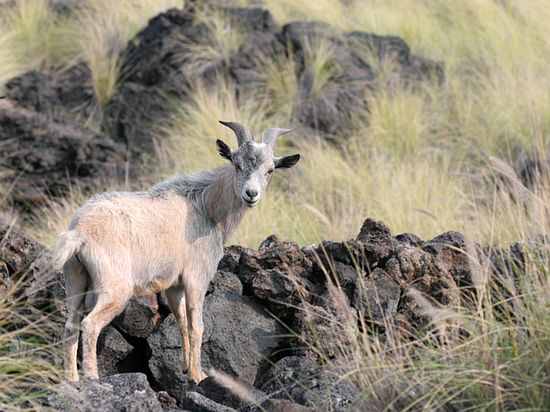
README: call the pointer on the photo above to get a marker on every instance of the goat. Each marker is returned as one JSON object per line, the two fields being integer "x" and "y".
{"x": 171, "y": 237}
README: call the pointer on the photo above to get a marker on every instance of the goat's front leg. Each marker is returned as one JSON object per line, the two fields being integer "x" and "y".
{"x": 195, "y": 301}
{"x": 176, "y": 300}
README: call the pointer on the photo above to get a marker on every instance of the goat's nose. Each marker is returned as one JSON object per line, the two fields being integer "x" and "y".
{"x": 251, "y": 193}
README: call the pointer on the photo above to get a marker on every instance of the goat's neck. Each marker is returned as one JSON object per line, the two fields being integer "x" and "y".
{"x": 223, "y": 207}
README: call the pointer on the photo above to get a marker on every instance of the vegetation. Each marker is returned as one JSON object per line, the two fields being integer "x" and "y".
{"x": 488, "y": 353}
{"x": 423, "y": 160}
{"x": 29, "y": 356}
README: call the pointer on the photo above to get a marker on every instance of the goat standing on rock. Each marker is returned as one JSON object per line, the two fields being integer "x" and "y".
{"x": 121, "y": 245}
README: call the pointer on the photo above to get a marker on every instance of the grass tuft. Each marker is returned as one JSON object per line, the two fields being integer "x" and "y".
{"x": 28, "y": 356}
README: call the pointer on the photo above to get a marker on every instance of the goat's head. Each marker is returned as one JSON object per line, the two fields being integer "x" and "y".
{"x": 254, "y": 162}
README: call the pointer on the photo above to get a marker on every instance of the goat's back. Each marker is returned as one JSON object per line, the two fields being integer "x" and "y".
{"x": 135, "y": 234}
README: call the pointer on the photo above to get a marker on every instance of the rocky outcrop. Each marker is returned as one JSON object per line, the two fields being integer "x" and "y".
{"x": 160, "y": 61}
{"x": 43, "y": 157}
{"x": 56, "y": 94}
{"x": 122, "y": 392}
{"x": 27, "y": 263}
{"x": 264, "y": 305}
{"x": 303, "y": 381}
{"x": 194, "y": 401}
{"x": 239, "y": 338}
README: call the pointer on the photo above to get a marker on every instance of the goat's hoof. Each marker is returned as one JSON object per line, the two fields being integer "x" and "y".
{"x": 72, "y": 378}
{"x": 198, "y": 379}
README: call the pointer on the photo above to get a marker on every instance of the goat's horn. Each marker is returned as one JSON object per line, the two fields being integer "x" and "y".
{"x": 270, "y": 135}
{"x": 243, "y": 134}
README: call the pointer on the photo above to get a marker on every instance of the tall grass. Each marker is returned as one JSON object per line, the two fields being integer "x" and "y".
{"x": 411, "y": 186}
{"x": 34, "y": 36}
{"x": 29, "y": 353}
{"x": 219, "y": 42}
{"x": 488, "y": 353}
{"x": 100, "y": 32}
{"x": 26, "y": 37}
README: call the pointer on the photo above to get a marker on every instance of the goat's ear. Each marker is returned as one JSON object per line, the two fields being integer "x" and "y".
{"x": 287, "y": 161}
{"x": 223, "y": 150}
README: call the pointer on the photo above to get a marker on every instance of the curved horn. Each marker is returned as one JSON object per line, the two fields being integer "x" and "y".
{"x": 270, "y": 135}
{"x": 243, "y": 134}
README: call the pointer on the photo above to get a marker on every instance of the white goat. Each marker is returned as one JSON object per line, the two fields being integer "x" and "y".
{"x": 121, "y": 245}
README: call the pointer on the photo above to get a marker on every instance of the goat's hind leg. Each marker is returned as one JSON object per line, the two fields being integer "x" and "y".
{"x": 76, "y": 283}
{"x": 112, "y": 298}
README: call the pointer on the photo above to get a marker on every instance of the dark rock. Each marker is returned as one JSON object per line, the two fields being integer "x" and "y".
{"x": 45, "y": 156}
{"x": 226, "y": 281}
{"x": 303, "y": 35}
{"x": 285, "y": 256}
{"x": 123, "y": 392}
{"x": 139, "y": 317}
{"x": 166, "y": 361}
{"x": 532, "y": 169}
{"x": 220, "y": 394}
{"x": 25, "y": 260}
{"x": 157, "y": 69}
{"x": 239, "y": 335}
{"x": 46, "y": 290}
{"x": 377, "y": 296}
{"x": 277, "y": 275}
{"x": 112, "y": 348}
{"x": 4, "y": 278}
{"x": 393, "y": 49}
{"x": 149, "y": 58}
{"x": 17, "y": 251}
{"x": 281, "y": 291}
{"x": 347, "y": 278}
{"x": 435, "y": 271}
{"x": 158, "y": 58}
{"x": 251, "y": 20}
{"x": 238, "y": 338}
{"x": 409, "y": 239}
{"x": 411, "y": 261}
{"x": 166, "y": 400}
{"x": 377, "y": 240}
{"x": 196, "y": 402}
{"x": 60, "y": 94}
{"x": 450, "y": 254}
{"x": 130, "y": 116}
{"x": 269, "y": 242}
{"x": 323, "y": 254}
{"x": 510, "y": 263}
{"x": 284, "y": 405}
{"x": 163, "y": 306}
{"x": 301, "y": 380}
{"x": 230, "y": 260}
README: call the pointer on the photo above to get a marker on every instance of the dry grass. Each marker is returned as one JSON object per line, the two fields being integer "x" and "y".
{"x": 28, "y": 356}
{"x": 26, "y": 37}
{"x": 54, "y": 217}
{"x": 221, "y": 41}
{"x": 96, "y": 32}
{"x": 490, "y": 353}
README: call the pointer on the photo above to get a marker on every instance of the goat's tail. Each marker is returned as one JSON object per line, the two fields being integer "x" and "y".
{"x": 68, "y": 245}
